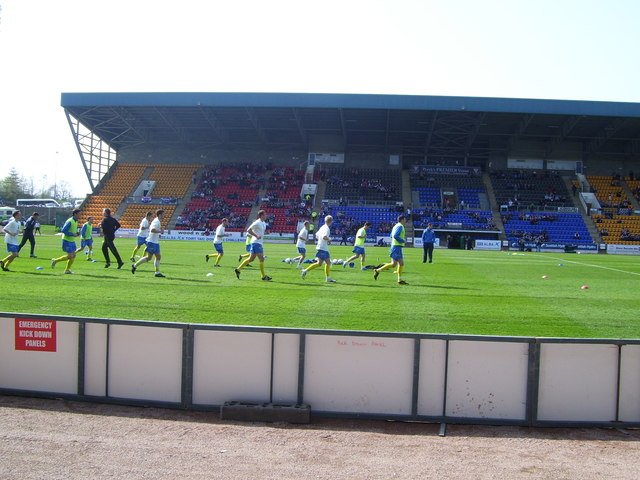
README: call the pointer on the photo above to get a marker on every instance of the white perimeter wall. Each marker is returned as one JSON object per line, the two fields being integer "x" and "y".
{"x": 454, "y": 378}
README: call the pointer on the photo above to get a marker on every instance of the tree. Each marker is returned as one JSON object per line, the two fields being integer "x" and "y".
{"x": 64, "y": 192}
{"x": 12, "y": 187}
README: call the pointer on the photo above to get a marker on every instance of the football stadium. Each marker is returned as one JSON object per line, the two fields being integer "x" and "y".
{"x": 495, "y": 282}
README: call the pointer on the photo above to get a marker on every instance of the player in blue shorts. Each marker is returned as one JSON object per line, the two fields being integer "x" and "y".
{"x": 301, "y": 244}
{"x": 358, "y": 246}
{"x": 86, "y": 240}
{"x": 323, "y": 238}
{"x": 143, "y": 232}
{"x": 217, "y": 242}
{"x": 153, "y": 245}
{"x": 247, "y": 248}
{"x": 397, "y": 243}
{"x": 11, "y": 232}
{"x": 69, "y": 232}
{"x": 256, "y": 230}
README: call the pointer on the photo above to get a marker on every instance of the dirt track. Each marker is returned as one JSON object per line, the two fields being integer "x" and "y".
{"x": 56, "y": 439}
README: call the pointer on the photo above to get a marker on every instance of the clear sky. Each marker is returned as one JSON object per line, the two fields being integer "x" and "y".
{"x": 558, "y": 49}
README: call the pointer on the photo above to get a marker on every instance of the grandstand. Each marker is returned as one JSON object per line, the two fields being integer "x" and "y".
{"x": 562, "y": 228}
{"x": 500, "y": 167}
{"x": 360, "y": 186}
{"x": 350, "y": 218}
{"x": 610, "y": 193}
{"x": 519, "y": 188}
{"x": 434, "y": 189}
{"x": 619, "y": 229}
{"x": 226, "y": 190}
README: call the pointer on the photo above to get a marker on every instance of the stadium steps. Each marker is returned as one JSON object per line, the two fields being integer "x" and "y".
{"x": 171, "y": 223}
{"x": 261, "y": 193}
{"x": 588, "y": 221}
{"x": 495, "y": 209}
{"x": 484, "y": 201}
{"x": 123, "y": 206}
{"x": 415, "y": 198}
{"x": 630, "y": 197}
{"x": 574, "y": 198}
{"x": 317, "y": 201}
{"x": 406, "y": 188}
{"x": 322, "y": 189}
{"x": 407, "y": 200}
{"x": 491, "y": 194}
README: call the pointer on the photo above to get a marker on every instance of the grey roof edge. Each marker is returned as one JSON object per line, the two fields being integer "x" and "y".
{"x": 352, "y": 101}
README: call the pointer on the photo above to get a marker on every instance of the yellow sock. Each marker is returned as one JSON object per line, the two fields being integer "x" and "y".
{"x": 327, "y": 269}
{"x": 218, "y": 259}
{"x": 262, "y": 268}
{"x": 69, "y": 263}
{"x": 7, "y": 261}
{"x": 245, "y": 255}
{"x": 312, "y": 266}
{"x": 243, "y": 264}
{"x": 61, "y": 259}
{"x": 385, "y": 266}
{"x": 400, "y": 268}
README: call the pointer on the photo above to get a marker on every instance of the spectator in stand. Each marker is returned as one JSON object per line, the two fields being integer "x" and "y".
{"x": 344, "y": 239}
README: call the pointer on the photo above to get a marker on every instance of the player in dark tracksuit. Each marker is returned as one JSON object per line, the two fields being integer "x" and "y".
{"x": 109, "y": 226}
{"x": 27, "y": 234}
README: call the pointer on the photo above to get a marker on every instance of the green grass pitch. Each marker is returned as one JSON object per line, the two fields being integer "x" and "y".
{"x": 462, "y": 292}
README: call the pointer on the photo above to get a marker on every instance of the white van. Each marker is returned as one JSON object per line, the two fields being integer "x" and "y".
{"x": 5, "y": 214}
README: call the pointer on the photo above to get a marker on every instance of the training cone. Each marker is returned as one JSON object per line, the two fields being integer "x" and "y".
{"x": 545, "y": 276}
{"x": 209, "y": 274}
{"x": 39, "y": 268}
{"x": 585, "y": 287}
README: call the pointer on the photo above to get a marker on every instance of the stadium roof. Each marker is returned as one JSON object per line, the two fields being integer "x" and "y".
{"x": 433, "y": 126}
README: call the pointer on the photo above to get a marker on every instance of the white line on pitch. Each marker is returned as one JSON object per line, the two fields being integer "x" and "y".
{"x": 595, "y": 266}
